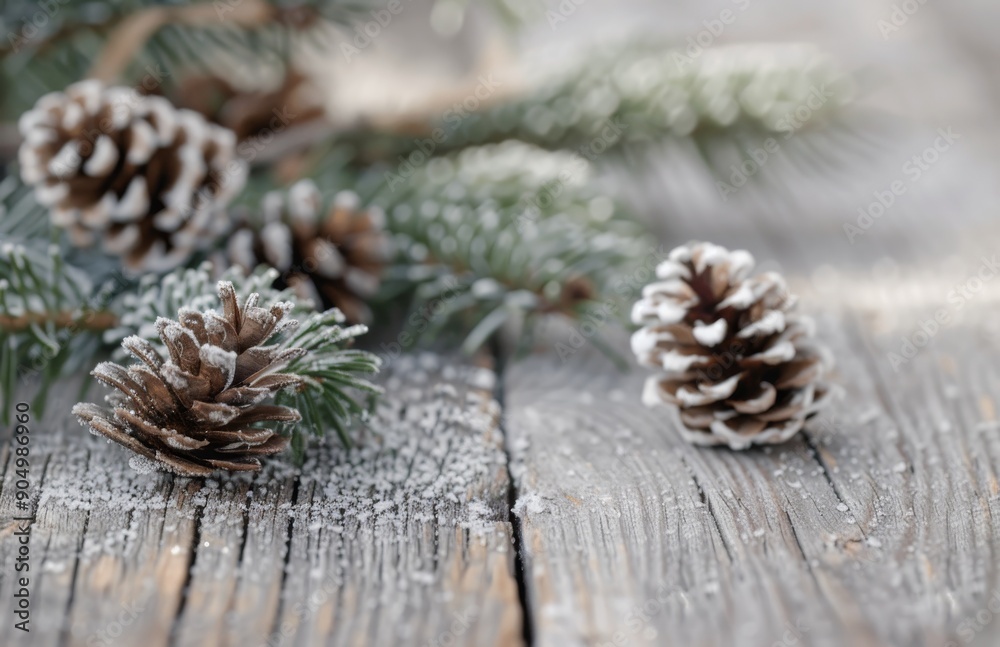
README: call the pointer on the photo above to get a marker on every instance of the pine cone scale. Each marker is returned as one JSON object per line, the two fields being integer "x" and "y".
{"x": 261, "y": 413}
{"x": 220, "y": 414}
{"x": 278, "y": 361}
{"x": 760, "y": 402}
{"x": 271, "y": 446}
{"x": 96, "y": 418}
{"x": 246, "y": 438}
{"x": 275, "y": 382}
{"x": 178, "y": 465}
{"x": 243, "y": 396}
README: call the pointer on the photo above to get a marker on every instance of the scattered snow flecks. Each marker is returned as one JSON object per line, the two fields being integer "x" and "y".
{"x": 142, "y": 465}
{"x": 530, "y": 503}
{"x": 430, "y": 455}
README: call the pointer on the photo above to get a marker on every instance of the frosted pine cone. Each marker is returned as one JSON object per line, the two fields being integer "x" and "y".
{"x": 199, "y": 409}
{"x": 334, "y": 257}
{"x": 147, "y": 180}
{"x": 737, "y": 363}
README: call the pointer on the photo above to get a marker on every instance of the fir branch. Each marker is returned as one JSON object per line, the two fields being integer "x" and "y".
{"x": 28, "y": 24}
{"x": 21, "y": 217}
{"x": 335, "y": 378}
{"x": 641, "y": 91}
{"x": 93, "y": 322}
{"x": 146, "y": 41}
{"x": 196, "y": 288}
{"x": 497, "y": 234}
{"x": 50, "y": 311}
{"x": 36, "y": 286}
{"x": 134, "y": 31}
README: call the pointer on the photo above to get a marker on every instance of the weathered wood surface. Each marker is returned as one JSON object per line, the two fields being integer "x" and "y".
{"x": 878, "y": 526}
{"x": 881, "y": 524}
{"x": 404, "y": 541}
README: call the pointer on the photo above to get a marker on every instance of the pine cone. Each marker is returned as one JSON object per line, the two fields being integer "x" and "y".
{"x": 147, "y": 179}
{"x": 199, "y": 409}
{"x": 334, "y": 257}
{"x": 736, "y": 360}
{"x": 251, "y": 114}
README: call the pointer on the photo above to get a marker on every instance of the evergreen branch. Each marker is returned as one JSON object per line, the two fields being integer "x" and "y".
{"x": 35, "y": 284}
{"x": 50, "y": 311}
{"x": 93, "y": 322}
{"x": 28, "y": 24}
{"x": 21, "y": 217}
{"x": 134, "y": 31}
{"x": 335, "y": 378}
{"x": 500, "y": 233}
{"x": 145, "y": 41}
{"x": 195, "y": 288}
{"x": 641, "y": 91}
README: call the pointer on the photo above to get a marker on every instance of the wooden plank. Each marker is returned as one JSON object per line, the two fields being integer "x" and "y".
{"x": 618, "y": 515}
{"x": 56, "y": 534}
{"x": 409, "y": 542}
{"x": 875, "y": 527}
{"x": 407, "y": 535}
{"x": 631, "y": 537}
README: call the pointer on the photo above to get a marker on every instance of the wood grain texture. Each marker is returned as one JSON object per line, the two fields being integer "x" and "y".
{"x": 403, "y": 539}
{"x": 878, "y": 526}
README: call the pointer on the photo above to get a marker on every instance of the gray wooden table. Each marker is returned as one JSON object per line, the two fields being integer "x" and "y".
{"x": 543, "y": 505}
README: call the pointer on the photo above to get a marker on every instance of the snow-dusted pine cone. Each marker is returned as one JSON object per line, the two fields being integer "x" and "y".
{"x": 199, "y": 409}
{"x": 735, "y": 361}
{"x": 333, "y": 256}
{"x": 146, "y": 179}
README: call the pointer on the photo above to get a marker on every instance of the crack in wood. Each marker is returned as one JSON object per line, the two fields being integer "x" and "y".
{"x": 518, "y": 546}
{"x": 708, "y": 506}
{"x": 185, "y": 587}
{"x": 287, "y": 558}
{"x": 65, "y": 637}
{"x": 817, "y": 456}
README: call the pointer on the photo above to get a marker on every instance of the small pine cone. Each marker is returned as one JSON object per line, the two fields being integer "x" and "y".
{"x": 333, "y": 257}
{"x": 736, "y": 361}
{"x": 145, "y": 178}
{"x": 200, "y": 409}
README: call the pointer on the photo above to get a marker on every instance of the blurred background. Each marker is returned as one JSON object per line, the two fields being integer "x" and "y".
{"x": 534, "y": 158}
{"x": 914, "y": 67}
